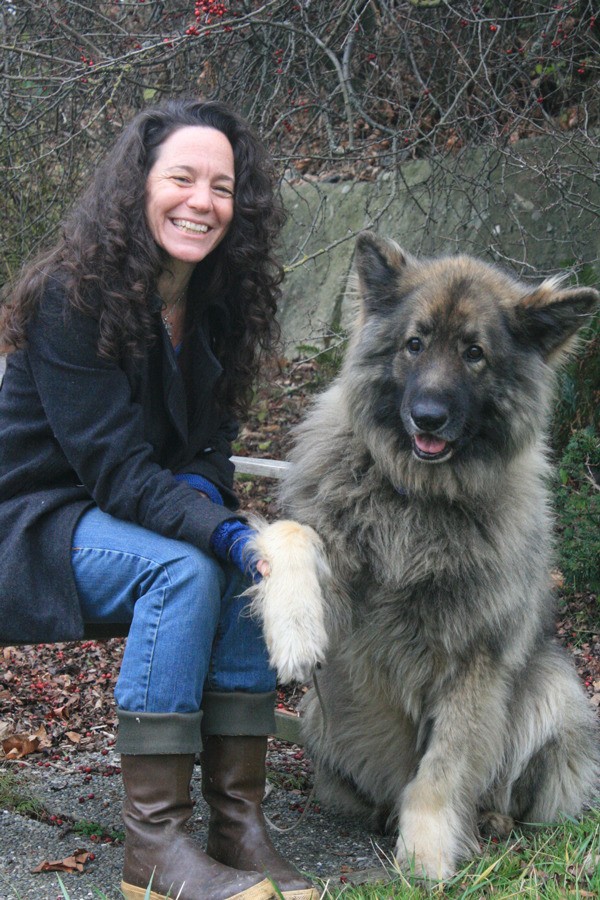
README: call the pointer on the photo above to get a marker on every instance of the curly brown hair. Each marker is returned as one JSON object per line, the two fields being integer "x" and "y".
{"x": 110, "y": 263}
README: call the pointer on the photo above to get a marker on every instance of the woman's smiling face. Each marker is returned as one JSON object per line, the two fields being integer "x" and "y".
{"x": 189, "y": 194}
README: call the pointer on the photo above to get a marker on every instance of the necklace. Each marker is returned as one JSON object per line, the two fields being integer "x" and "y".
{"x": 168, "y": 312}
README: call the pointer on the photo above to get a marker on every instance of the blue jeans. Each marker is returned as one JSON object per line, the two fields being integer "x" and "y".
{"x": 190, "y": 630}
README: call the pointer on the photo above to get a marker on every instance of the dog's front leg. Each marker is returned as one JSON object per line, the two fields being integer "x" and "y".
{"x": 289, "y": 600}
{"x": 438, "y": 807}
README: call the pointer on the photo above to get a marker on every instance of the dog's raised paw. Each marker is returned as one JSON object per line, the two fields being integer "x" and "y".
{"x": 289, "y": 601}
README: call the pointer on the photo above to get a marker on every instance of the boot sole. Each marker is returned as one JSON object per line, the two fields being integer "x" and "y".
{"x": 261, "y": 891}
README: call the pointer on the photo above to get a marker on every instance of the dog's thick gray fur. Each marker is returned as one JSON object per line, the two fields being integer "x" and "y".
{"x": 423, "y": 469}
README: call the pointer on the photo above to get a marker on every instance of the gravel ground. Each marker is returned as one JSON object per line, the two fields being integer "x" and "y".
{"x": 333, "y": 850}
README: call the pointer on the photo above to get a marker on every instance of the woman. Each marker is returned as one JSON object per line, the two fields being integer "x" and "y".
{"x": 134, "y": 343}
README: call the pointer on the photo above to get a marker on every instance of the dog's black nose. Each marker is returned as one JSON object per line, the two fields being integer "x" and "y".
{"x": 429, "y": 415}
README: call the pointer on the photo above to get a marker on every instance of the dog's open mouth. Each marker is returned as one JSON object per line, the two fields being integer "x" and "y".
{"x": 431, "y": 448}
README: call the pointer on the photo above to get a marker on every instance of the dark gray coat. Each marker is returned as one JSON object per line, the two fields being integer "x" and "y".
{"x": 77, "y": 430}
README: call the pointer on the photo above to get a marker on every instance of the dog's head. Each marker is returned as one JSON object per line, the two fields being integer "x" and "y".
{"x": 451, "y": 358}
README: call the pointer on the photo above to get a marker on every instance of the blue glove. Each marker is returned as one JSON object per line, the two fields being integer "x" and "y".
{"x": 199, "y": 483}
{"x": 229, "y": 541}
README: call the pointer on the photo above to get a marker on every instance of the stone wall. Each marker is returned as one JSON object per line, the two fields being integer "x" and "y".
{"x": 528, "y": 210}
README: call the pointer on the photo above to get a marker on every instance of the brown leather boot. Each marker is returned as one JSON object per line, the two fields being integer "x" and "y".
{"x": 233, "y": 785}
{"x": 157, "y": 806}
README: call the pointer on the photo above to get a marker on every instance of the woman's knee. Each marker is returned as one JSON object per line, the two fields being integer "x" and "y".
{"x": 123, "y": 571}
{"x": 194, "y": 580}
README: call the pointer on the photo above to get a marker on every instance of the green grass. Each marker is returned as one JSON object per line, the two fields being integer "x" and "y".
{"x": 94, "y": 829}
{"x": 97, "y": 894}
{"x": 557, "y": 862}
{"x": 15, "y": 797}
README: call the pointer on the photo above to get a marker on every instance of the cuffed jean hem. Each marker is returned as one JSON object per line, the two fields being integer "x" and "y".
{"x": 150, "y": 734}
{"x": 238, "y": 713}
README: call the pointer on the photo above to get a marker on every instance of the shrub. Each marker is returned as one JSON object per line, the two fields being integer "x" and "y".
{"x": 578, "y": 403}
{"x": 577, "y": 502}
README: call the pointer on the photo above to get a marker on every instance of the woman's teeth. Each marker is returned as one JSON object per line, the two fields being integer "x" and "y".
{"x": 190, "y": 226}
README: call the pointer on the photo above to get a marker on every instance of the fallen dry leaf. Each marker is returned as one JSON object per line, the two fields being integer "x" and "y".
{"x": 19, "y": 745}
{"x": 73, "y": 863}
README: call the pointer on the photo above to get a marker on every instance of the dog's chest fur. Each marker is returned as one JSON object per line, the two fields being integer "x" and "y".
{"x": 430, "y": 585}
{"x": 434, "y": 597}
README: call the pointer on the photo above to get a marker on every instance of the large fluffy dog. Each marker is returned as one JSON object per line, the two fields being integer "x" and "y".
{"x": 423, "y": 469}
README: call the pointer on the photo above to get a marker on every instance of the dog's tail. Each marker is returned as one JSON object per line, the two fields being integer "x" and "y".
{"x": 289, "y": 601}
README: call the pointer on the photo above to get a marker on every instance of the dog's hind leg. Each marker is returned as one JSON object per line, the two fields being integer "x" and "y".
{"x": 363, "y": 750}
{"x": 337, "y": 792}
{"x": 494, "y": 824}
{"x": 556, "y": 752}
{"x": 334, "y": 787}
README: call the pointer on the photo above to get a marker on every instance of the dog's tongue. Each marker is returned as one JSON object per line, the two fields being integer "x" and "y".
{"x": 429, "y": 444}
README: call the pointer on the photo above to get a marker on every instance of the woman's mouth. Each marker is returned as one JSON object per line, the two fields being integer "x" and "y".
{"x": 190, "y": 227}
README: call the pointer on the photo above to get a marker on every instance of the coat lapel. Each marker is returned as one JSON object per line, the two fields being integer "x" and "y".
{"x": 205, "y": 370}
{"x": 172, "y": 381}
{"x": 174, "y": 389}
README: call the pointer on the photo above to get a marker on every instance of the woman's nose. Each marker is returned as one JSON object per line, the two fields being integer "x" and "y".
{"x": 201, "y": 196}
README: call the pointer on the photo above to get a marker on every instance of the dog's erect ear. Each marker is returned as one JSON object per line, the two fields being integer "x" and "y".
{"x": 549, "y": 317}
{"x": 378, "y": 263}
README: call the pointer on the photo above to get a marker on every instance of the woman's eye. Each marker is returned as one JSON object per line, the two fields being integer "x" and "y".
{"x": 414, "y": 345}
{"x": 224, "y": 190}
{"x": 182, "y": 179}
{"x": 474, "y": 353}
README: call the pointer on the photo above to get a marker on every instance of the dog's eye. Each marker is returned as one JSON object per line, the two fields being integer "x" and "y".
{"x": 414, "y": 345}
{"x": 474, "y": 353}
